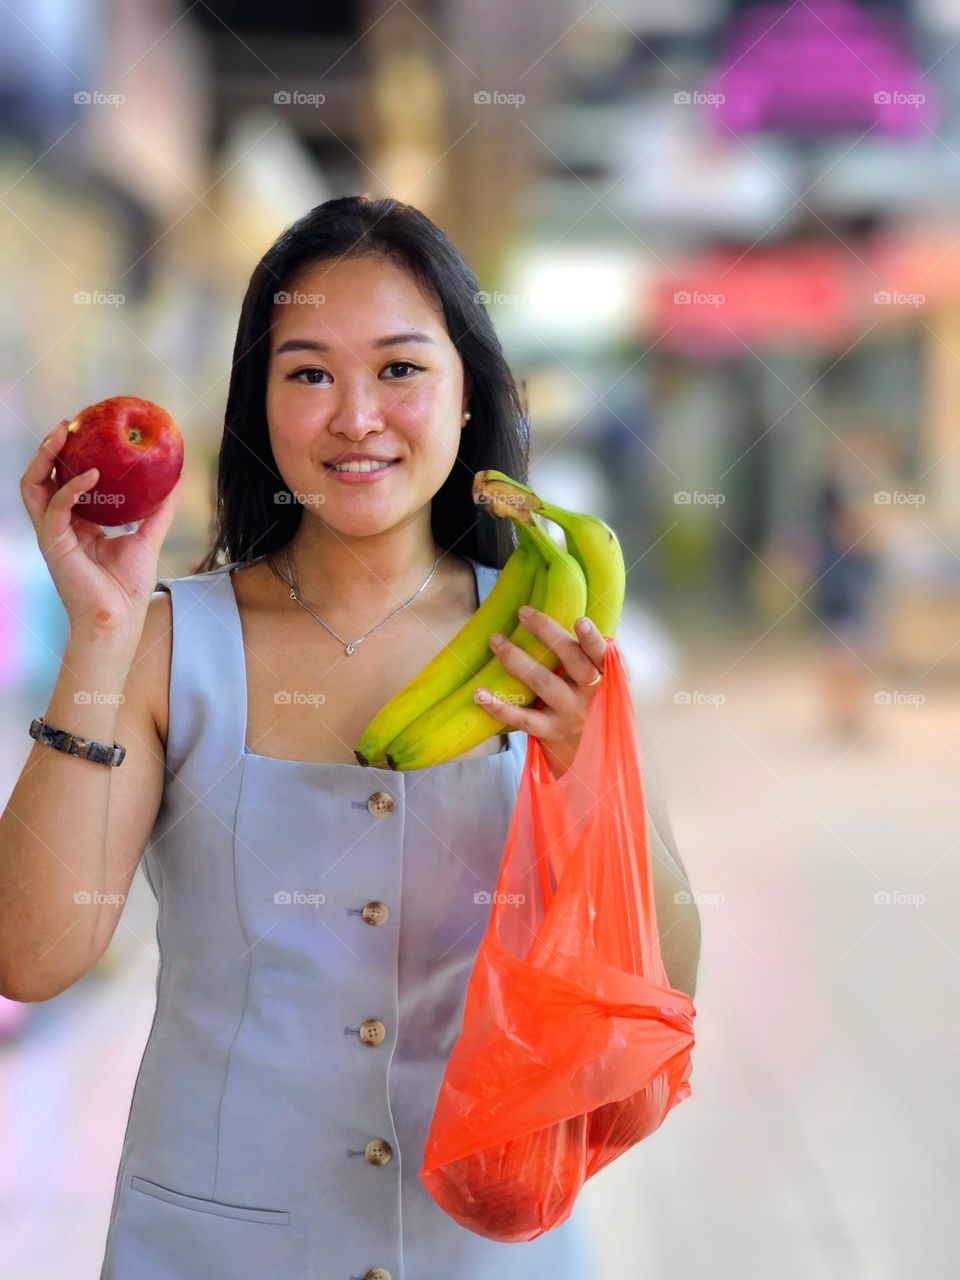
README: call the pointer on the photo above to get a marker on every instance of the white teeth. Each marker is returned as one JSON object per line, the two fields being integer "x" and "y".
{"x": 361, "y": 466}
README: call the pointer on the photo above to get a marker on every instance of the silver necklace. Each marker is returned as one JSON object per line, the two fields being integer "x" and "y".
{"x": 351, "y": 645}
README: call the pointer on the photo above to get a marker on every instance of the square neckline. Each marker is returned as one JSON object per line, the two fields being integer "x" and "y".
{"x": 505, "y": 752}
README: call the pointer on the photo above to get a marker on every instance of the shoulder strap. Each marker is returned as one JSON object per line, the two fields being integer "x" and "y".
{"x": 208, "y": 694}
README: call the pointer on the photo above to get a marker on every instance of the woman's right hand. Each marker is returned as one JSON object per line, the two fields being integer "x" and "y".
{"x": 105, "y": 583}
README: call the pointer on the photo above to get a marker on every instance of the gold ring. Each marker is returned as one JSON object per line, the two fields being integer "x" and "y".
{"x": 588, "y": 684}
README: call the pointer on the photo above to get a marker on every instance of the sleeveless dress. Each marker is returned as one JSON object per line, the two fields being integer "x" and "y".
{"x": 317, "y": 925}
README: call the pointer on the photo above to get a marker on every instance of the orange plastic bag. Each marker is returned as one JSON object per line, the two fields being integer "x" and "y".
{"x": 574, "y": 1046}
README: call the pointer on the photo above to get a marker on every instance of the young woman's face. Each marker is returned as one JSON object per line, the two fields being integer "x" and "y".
{"x": 361, "y": 361}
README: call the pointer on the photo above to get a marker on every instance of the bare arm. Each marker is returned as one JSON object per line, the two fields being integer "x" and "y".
{"x": 72, "y": 832}
{"x": 678, "y": 920}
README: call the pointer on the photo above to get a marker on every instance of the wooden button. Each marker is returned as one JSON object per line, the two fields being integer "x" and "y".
{"x": 375, "y": 912}
{"x": 380, "y": 804}
{"x": 378, "y": 1273}
{"x": 372, "y": 1031}
{"x": 378, "y": 1151}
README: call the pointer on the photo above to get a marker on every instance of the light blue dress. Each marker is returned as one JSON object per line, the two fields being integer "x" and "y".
{"x": 264, "y": 1105}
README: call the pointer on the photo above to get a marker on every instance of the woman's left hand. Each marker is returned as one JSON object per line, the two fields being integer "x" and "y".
{"x": 560, "y": 713}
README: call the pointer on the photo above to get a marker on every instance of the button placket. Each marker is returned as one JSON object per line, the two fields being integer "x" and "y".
{"x": 372, "y": 1031}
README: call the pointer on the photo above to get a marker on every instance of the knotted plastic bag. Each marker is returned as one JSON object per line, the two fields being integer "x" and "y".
{"x": 574, "y": 1046}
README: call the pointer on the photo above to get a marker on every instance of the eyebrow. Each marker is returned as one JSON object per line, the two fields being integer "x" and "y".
{"x": 391, "y": 340}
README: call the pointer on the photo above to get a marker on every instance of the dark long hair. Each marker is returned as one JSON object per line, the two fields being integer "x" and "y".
{"x": 250, "y": 520}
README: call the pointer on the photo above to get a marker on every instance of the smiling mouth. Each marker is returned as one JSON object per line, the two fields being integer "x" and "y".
{"x": 361, "y": 467}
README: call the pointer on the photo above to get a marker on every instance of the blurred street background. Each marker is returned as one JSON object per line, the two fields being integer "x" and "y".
{"x": 720, "y": 243}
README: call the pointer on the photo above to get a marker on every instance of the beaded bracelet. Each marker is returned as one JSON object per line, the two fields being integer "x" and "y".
{"x": 73, "y": 745}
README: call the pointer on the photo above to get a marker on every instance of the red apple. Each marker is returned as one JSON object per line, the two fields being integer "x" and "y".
{"x": 138, "y": 450}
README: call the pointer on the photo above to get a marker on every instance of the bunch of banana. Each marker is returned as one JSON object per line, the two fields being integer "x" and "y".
{"x": 592, "y": 543}
{"x": 434, "y": 718}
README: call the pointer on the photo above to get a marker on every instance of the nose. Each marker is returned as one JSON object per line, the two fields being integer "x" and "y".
{"x": 357, "y": 413}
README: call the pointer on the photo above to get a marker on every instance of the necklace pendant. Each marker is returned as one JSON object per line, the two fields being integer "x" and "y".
{"x": 348, "y": 649}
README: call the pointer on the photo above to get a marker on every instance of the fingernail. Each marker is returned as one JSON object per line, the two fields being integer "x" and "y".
{"x": 583, "y": 625}
{"x": 481, "y": 695}
{"x": 496, "y": 638}
{"x": 89, "y": 474}
{"x": 525, "y": 611}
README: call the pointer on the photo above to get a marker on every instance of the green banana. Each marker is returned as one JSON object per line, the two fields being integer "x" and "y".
{"x": 461, "y": 657}
{"x": 456, "y": 723}
{"x": 592, "y": 543}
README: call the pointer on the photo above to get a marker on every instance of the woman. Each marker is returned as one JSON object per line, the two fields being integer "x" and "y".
{"x": 317, "y": 920}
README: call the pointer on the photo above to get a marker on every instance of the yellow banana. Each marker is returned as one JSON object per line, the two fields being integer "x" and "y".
{"x": 461, "y": 657}
{"x": 592, "y": 544}
{"x": 457, "y": 723}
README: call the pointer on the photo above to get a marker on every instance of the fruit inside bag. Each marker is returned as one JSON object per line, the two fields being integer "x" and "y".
{"x": 574, "y": 1046}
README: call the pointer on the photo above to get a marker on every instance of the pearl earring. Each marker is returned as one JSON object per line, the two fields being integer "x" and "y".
{"x": 466, "y": 416}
